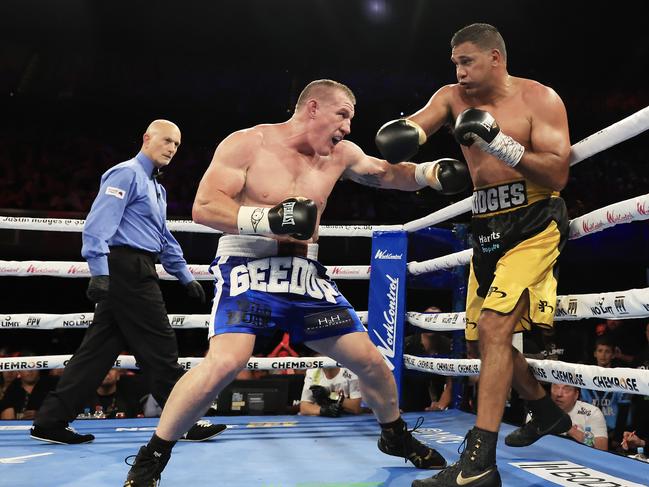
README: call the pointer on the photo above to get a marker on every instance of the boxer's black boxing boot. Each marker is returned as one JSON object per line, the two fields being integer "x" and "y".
{"x": 476, "y": 467}
{"x": 149, "y": 463}
{"x": 397, "y": 441}
{"x": 547, "y": 419}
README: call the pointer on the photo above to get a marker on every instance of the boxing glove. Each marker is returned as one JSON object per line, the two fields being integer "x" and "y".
{"x": 448, "y": 176}
{"x": 474, "y": 125}
{"x": 296, "y": 217}
{"x": 399, "y": 140}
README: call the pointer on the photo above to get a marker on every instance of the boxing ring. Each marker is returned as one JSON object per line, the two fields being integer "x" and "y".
{"x": 312, "y": 451}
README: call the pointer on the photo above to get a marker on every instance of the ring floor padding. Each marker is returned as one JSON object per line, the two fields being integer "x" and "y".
{"x": 287, "y": 451}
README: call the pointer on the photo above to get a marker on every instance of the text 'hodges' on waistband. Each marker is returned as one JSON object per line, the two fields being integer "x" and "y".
{"x": 498, "y": 198}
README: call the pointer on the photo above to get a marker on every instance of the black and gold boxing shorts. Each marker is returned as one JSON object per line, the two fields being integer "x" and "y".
{"x": 518, "y": 231}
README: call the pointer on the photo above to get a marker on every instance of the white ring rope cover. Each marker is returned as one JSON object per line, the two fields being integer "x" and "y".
{"x": 44, "y": 321}
{"x": 633, "y": 209}
{"x": 620, "y": 379}
{"x": 47, "y": 362}
{"x": 629, "y": 304}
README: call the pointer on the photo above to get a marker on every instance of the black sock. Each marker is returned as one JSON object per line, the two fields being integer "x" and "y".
{"x": 395, "y": 427}
{"x": 159, "y": 445}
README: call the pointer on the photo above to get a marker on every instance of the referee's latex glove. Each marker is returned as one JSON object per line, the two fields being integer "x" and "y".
{"x": 195, "y": 291}
{"x": 98, "y": 288}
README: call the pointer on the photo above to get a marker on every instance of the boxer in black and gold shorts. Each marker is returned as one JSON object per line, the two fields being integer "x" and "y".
{"x": 519, "y": 229}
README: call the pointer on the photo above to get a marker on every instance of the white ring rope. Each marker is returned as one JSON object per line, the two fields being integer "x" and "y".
{"x": 622, "y": 379}
{"x": 619, "y": 305}
{"x": 47, "y": 362}
{"x": 631, "y": 210}
{"x": 35, "y": 268}
{"x": 634, "y": 209}
{"x": 44, "y": 321}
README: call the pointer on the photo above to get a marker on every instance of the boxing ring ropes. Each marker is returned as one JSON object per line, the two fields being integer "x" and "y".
{"x": 624, "y": 304}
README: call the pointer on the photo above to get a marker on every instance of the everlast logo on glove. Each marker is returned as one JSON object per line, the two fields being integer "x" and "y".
{"x": 498, "y": 198}
{"x": 287, "y": 217}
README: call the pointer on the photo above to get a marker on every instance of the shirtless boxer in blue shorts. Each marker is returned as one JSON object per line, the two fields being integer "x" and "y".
{"x": 514, "y": 136}
{"x": 266, "y": 189}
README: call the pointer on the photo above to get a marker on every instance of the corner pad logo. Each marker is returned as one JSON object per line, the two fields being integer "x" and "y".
{"x": 388, "y": 344}
{"x": 384, "y": 254}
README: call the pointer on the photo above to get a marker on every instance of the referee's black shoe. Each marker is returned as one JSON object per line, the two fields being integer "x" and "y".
{"x": 60, "y": 435}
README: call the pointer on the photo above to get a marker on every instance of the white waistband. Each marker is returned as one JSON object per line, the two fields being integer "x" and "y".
{"x": 255, "y": 246}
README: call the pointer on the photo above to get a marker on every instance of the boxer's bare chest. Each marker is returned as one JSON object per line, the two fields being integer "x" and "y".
{"x": 515, "y": 119}
{"x": 277, "y": 173}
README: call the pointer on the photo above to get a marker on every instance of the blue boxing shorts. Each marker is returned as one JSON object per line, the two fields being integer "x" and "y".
{"x": 258, "y": 291}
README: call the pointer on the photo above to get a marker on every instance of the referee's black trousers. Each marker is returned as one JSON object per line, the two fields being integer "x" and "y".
{"x": 133, "y": 318}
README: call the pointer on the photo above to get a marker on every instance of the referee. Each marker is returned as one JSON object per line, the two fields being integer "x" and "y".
{"x": 124, "y": 235}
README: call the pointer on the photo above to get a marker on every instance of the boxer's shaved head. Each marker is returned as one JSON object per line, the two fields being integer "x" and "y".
{"x": 323, "y": 89}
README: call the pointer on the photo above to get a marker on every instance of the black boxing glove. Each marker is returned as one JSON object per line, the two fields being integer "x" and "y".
{"x": 448, "y": 176}
{"x": 320, "y": 395}
{"x": 333, "y": 410}
{"x": 195, "y": 291}
{"x": 399, "y": 140}
{"x": 474, "y": 125}
{"x": 98, "y": 288}
{"x": 296, "y": 217}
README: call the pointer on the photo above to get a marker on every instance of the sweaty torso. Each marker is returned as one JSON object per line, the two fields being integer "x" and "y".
{"x": 277, "y": 171}
{"x": 514, "y": 117}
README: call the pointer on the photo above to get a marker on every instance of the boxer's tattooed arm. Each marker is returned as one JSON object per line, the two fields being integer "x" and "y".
{"x": 368, "y": 179}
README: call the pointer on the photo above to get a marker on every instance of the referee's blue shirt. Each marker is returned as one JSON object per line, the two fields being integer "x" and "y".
{"x": 131, "y": 209}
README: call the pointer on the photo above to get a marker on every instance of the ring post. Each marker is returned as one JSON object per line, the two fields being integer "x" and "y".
{"x": 387, "y": 297}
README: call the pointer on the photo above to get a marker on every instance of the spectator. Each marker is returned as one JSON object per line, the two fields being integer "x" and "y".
{"x": 582, "y": 415}
{"x": 614, "y": 405}
{"x": 7, "y": 377}
{"x": 25, "y": 395}
{"x": 621, "y": 334}
{"x": 113, "y": 399}
{"x": 330, "y": 392}
{"x": 631, "y": 440}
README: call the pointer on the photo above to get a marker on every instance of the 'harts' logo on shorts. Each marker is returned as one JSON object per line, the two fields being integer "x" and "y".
{"x": 498, "y": 198}
{"x": 497, "y": 292}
